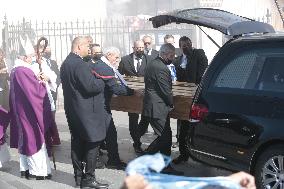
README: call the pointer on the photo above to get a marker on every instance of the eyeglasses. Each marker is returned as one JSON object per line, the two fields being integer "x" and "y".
{"x": 147, "y": 43}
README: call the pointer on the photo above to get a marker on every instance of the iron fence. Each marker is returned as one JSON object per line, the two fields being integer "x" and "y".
{"x": 111, "y": 32}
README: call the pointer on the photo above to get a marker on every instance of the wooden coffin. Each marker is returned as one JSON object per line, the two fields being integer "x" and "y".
{"x": 183, "y": 93}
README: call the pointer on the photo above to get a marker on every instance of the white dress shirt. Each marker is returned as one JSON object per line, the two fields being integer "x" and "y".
{"x": 136, "y": 62}
{"x": 183, "y": 61}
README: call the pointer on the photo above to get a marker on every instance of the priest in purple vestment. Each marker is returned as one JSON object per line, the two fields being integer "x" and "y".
{"x": 32, "y": 125}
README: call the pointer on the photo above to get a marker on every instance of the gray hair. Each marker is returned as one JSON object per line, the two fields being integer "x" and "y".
{"x": 166, "y": 49}
{"x": 111, "y": 50}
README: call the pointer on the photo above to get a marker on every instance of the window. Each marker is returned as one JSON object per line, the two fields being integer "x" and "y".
{"x": 237, "y": 72}
{"x": 272, "y": 76}
{"x": 261, "y": 69}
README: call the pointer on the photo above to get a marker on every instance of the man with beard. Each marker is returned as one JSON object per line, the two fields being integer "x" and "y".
{"x": 190, "y": 67}
{"x": 96, "y": 52}
{"x": 134, "y": 65}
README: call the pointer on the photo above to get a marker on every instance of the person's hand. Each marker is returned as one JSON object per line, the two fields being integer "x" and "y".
{"x": 244, "y": 179}
{"x": 43, "y": 77}
{"x": 135, "y": 182}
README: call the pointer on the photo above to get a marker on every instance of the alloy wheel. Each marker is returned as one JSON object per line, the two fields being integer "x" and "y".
{"x": 273, "y": 173}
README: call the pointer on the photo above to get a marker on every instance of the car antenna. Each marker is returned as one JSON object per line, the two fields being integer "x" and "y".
{"x": 210, "y": 37}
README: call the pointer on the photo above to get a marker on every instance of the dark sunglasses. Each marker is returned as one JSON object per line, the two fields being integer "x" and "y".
{"x": 147, "y": 43}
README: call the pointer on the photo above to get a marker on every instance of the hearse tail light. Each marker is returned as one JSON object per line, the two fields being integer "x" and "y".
{"x": 198, "y": 112}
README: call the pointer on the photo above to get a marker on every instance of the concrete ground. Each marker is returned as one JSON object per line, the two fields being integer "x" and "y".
{"x": 63, "y": 176}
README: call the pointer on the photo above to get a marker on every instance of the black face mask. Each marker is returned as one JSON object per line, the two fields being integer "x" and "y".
{"x": 139, "y": 54}
{"x": 87, "y": 58}
{"x": 186, "y": 50}
{"x": 168, "y": 61}
{"x": 97, "y": 57}
{"x": 47, "y": 55}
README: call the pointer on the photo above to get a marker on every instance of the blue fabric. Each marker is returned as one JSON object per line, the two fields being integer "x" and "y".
{"x": 173, "y": 72}
{"x": 150, "y": 165}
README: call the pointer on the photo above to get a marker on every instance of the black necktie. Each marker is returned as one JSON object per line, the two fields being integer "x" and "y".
{"x": 138, "y": 63}
{"x": 147, "y": 51}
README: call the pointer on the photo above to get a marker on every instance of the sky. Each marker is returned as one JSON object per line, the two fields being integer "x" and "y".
{"x": 60, "y": 10}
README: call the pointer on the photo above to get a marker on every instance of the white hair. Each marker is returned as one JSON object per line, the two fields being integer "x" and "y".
{"x": 111, "y": 50}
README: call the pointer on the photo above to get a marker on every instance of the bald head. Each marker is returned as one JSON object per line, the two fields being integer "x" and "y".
{"x": 138, "y": 44}
{"x": 138, "y": 48}
{"x": 80, "y": 46}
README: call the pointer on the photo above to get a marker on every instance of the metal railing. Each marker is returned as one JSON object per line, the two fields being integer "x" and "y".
{"x": 112, "y": 32}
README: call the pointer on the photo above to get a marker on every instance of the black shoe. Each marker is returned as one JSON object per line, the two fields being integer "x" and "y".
{"x": 180, "y": 159}
{"x": 175, "y": 145}
{"x": 93, "y": 184}
{"x": 34, "y": 177}
{"x": 171, "y": 171}
{"x": 48, "y": 177}
{"x": 77, "y": 181}
{"x": 25, "y": 174}
{"x": 119, "y": 165}
{"x": 138, "y": 149}
{"x": 103, "y": 146}
{"x": 101, "y": 153}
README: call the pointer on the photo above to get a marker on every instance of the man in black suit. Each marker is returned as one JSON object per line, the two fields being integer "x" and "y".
{"x": 158, "y": 102}
{"x": 134, "y": 65}
{"x": 148, "y": 50}
{"x": 158, "y": 99}
{"x": 171, "y": 39}
{"x": 190, "y": 67}
{"x": 105, "y": 68}
{"x": 84, "y": 109}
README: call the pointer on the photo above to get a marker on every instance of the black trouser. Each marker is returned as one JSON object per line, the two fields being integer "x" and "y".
{"x": 164, "y": 140}
{"x": 82, "y": 150}
{"x": 135, "y": 128}
{"x": 54, "y": 96}
{"x": 143, "y": 125}
{"x": 111, "y": 143}
{"x": 184, "y": 132}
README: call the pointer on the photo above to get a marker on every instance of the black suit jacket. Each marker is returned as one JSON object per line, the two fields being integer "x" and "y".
{"x": 154, "y": 54}
{"x": 126, "y": 65}
{"x": 83, "y": 100}
{"x": 54, "y": 67}
{"x": 158, "y": 99}
{"x": 112, "y": 85}
{"x": 196, "y": 65}
{"x": 178, "y": 52}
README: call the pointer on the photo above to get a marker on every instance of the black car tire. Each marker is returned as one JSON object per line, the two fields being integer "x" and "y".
{"x": 274, "y": 175}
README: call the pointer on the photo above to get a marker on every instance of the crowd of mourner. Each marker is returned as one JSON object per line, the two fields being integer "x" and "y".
{"x": 90, "y": 77}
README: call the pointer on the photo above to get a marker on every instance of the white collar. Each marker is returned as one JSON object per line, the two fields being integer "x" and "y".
{"x": 19, "y": 62}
